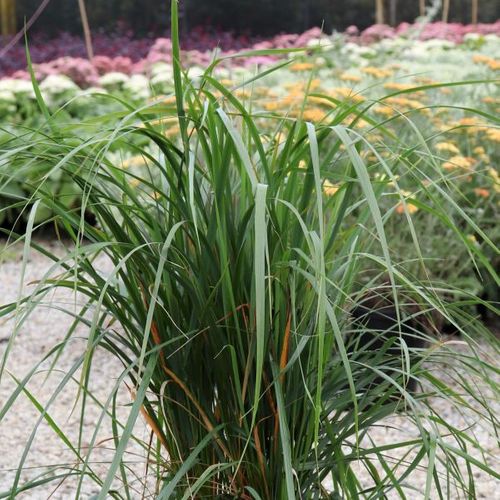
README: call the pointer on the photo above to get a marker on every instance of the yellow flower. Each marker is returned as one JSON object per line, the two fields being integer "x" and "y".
{"x": 472, "y": 125}
{"x": 494, "y": 65}
{"x": 280, "y": 137}
{"x": 472, "y": 238}
{"x": 329, "y": 188}
{"x": 448, "y": 147}
{"x": 360, "y": 123}
{"x": 425, "y": 80}
{"x": 321, "y": 100}
{"x": 494, "y": 174}
{"x": 459, "y": 162}
{"x": 392, "y": 183}
{"x": 496, "y": 179}
{"x": 481, "y": 154}
{"x": 313, "y": 115}
{"x": 274, "y": 105}
{"x": 400, "y": 209}
{"x": 348, "y": 77}
{"x": 134, "y": 161}
{"x": 493, "y": 134}
{"x": 262, "y": 91}
{"x": 490, "y": 100}
{"x": 403, "y": 102}
{"x": 301, "y": 66}
{"x": 384, "y": 110}
{"x": 314, "y": 84}
{"x": 481, "y": 59}
{"x": 242, "y": 94}
{"x": 345, "y": 93}
{"x": 401, "y": 86}
{"x": 162, "y": 99}
{"x": 134, "y": 182}
{"x": 373, "y": 138}
{"x": 172, "y": 131}
{"x": 376, "y": 72}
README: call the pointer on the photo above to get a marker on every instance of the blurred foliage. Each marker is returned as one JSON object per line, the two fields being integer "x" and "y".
{"x": 254, "y": 16}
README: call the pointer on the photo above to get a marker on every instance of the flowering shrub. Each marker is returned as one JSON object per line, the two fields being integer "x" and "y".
{"x": 66, "y": 54}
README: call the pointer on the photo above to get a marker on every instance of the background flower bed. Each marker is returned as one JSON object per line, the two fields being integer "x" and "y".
{"x": 402, "y": 93}
{"x": 130, "y": 54}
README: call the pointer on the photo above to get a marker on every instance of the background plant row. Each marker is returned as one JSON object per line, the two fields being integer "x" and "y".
{"x": 255, "y": 16}
{"x": 125, "y": 51}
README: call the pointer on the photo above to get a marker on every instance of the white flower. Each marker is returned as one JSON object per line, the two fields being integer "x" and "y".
{"x": 138, "y": 86}
{"x": 320, "y": 43}
{"x": 162, "y": 74}
{"x": 6, "y": 96}
{"x": 17, "y": 86}
{"x": 161, "y": 68}
{"x": 195, "y": 72}
{"x": 491, "y": 37}
{"x": 472, "y": 37}
{"x": 93, "y": 90}
{"x": 222, "y": 73}
{"x": 58, "y": 84}
{"x": 113, "y": 79}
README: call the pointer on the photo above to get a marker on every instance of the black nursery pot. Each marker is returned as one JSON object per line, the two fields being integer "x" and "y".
{"x": 375, "y": 341}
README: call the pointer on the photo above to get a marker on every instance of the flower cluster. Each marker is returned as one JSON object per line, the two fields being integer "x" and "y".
{"x": 120, "y": 53}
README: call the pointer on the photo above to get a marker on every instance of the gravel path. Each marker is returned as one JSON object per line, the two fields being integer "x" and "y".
{"x": 45, "y": 328}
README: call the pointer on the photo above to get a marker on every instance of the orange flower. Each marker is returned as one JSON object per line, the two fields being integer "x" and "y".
{"x": 242, "y": 94}
{"x": 301, "y": 66}
{"x": 484, "y": 193}
{"x": 376, "y": 72}
{"x": 401, "y": 208}
{"x": 172, "y": 131}
{"x": 493, "y": 134}
{"x": 401, "y": 86}
{"x": 274, "y": 105}
{"x": 464, "y": 162}
{"x": 490, "y": 100}
{"x": 134, "y": 161}
{"x": 494, "y": 65}
{"x": 313, "y": 115}
{"x": 411, "y": 209}
{"x": 481, "y": 59}
{"x": 384, "y": 110}
{"x": 345, "y": 93}
{"x": 348, "y": 77}
{"x": 447, "y": 146}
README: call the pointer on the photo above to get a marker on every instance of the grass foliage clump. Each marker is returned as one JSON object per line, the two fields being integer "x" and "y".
{"x": 237, "y": 255}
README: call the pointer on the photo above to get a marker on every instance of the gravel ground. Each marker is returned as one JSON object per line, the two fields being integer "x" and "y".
{"x": 46, "y": 327}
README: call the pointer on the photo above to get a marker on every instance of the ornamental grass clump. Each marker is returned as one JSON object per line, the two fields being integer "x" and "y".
{"x": 233, "y": 274}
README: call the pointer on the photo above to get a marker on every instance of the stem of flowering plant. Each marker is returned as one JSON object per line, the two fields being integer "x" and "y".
{"x": 446, "y": 10}
{"x": 475, "y": 11}
{"x": 86, "y": 29}
{"x": 421, "y": 8}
